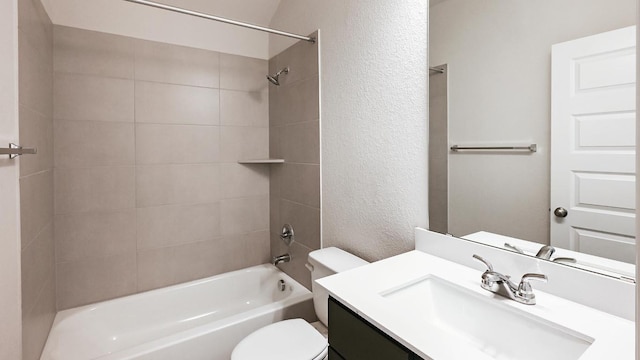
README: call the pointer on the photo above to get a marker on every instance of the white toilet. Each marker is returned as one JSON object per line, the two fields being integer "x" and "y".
{"x": 296, "y": 339}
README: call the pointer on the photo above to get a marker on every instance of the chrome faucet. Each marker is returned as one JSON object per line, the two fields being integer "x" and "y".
{"x": 544, "y": 253}
{"x": 547, "y": 251}
{"x": 284, "y": 258}
{"x": 502, "y": 285}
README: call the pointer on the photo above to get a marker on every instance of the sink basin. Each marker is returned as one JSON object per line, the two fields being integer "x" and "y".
{"x": 501, "y": 331}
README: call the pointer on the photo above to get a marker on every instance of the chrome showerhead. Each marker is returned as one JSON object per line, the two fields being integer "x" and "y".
{"x": 274, "y": 79}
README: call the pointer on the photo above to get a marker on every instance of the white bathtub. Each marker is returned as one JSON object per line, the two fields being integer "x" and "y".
{"x": 202, "y": 319}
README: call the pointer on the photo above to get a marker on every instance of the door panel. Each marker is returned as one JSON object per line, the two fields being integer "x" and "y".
{"x": 593, "y": 144}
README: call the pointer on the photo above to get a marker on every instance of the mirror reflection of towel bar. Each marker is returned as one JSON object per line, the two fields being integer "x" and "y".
{"x": 532, "y": 148}
{"x": 16, "y": 150}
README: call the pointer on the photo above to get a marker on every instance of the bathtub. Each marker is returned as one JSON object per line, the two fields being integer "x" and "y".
{"x": 202, "y": 319}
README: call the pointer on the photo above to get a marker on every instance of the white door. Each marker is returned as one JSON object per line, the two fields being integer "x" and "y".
{"x": 593, "y": 145}
{"x": 10, "y": 312}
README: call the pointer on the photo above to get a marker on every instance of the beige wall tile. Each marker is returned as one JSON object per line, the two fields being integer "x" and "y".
{"x": 37, "y": 265}
{"x": 94, "y": 189}
{"x": 305, "y": 221}
{"x": 300, "y": 142}
{"x": 302, "y": 60}
{"x": 301, "y": 184}
{"x": 243, "y": 73}
{"x": 37, "y": 323}
{"x": 177, "y": 184}
{"x": 89, "y": 280}
{"x": 275, "y": 224}
{"x": 87, "y": 52}
{"x": 275, "y": 179}
{"x": 275, "y": 147}
{"x": 98, "y": 234}
{"x": 238, "y": 180}
{"x": 35, "y": 76}
{"x": 244, "y": 215}
{"x": 239, "y": 108}
{"x": 241, "y": 143}
{"x": 171, "y": 265}
{"x": 35, "y": 81}
{"x": 36, "y": 130}
{"x": 79, "y": 97}
{"x": 176, "y": 104}
{"x": 176, "y": 144}
{"x": 177, "y": 64}
{"x": 34, "y": 22}
{"x": 36, "y": 204}
{"x": 299, "y": 101}
{"x": 245, "y": 250}
{"x": 172, "y": 225}
{"x": 93, "y": 143}
{"x": 275, "y": 110}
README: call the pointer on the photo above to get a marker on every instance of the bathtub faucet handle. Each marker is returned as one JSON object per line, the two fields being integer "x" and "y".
{"x": 287, "y": 235}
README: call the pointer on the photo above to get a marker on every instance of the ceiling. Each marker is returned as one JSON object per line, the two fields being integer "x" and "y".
{"x": 143, "y": 22}
{"x": 258, "y": 12}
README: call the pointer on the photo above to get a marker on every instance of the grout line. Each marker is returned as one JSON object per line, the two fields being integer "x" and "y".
{"x": 135, "y": 162}
{"x": 40, "y": 172}
{"x": 218, "y": 237}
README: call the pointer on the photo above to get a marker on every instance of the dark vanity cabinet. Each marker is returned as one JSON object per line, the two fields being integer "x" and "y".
{"x": 353, "y": 338}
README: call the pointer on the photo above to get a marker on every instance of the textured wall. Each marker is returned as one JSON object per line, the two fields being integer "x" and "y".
{"x": 294, "y": 131}
{"x": 373, "y": 67}
{"x": 148, "y": 191}
{"x": 10, "y": 315}
{"x": 637, "y": 188}
{"x": 35, "y": 42}
{"x": 499, "y": 57}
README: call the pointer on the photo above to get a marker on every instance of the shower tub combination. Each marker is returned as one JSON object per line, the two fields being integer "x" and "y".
{"x": 202, "y": 319}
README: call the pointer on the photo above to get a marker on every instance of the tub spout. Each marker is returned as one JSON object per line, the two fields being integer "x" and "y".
{"x": 280, "y": 259}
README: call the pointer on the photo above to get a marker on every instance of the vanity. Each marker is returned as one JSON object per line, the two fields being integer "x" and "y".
{"x": 421, "y": 306}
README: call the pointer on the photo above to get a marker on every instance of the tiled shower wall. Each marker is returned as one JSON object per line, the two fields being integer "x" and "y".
{"x": 148, "y": 191}
{"x": 294, "y": 129}
{"x": 35, "y": 78}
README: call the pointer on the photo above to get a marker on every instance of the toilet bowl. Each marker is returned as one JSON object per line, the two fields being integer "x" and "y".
{"x": 296, "y": 339}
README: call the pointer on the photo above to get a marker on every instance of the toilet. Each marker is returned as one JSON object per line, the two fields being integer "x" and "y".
{"x": 296, "y": 339}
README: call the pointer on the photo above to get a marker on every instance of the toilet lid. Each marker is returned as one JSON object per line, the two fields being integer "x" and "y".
{"x": 285, "y": 340}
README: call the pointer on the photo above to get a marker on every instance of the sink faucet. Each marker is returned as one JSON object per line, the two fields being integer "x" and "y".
{"x": 280, "y": 259}
{"x": 502, "y": 285}
{"x": 547, "y": 251}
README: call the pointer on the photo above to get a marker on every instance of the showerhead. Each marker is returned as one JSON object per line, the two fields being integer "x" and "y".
{"x": 274, "y": 79}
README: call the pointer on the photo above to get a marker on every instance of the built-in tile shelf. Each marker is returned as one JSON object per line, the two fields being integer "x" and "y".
{"x": 262, "y": 161}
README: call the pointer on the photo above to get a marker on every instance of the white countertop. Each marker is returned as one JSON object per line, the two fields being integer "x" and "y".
{"x": 360, "y": 290}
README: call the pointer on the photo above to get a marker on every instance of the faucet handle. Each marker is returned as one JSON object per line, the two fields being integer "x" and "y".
{"x": 524, "y": 288}
{"x": 487, "y": 263}
{"x": 534, "y": 276}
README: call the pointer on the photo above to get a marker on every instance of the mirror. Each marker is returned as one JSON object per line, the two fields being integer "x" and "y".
{"x": 491, "y": 84}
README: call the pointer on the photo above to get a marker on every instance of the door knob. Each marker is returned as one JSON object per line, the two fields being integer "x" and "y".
{"x": 560, "y": 212}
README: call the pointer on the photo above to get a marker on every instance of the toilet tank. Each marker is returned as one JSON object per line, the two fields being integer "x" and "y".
{"x": 325, "y": 262}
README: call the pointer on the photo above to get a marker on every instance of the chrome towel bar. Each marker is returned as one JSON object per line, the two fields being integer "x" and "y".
{"x": 16, "y": 150}
{"x": 532, "y": 148}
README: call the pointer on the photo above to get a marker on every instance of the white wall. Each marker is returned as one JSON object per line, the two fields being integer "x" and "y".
{"x": 124, "y": 18}
{"x": 10, "y": 298}
{"x": 499, "y": 58}
{"x": 637, "y": 186}
{"x": 373, "y": 118}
